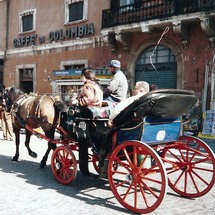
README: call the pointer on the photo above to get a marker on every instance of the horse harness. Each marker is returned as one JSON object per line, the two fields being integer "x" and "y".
{"x": 25, "y": 98}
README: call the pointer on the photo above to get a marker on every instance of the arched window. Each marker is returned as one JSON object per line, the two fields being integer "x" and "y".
{"x": 157, "y": 67}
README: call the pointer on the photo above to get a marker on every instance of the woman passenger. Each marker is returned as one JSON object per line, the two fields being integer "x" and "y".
{"x": 91, "y": 93}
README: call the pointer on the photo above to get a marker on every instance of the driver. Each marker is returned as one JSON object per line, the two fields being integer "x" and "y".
{"x": 116, "y": 91}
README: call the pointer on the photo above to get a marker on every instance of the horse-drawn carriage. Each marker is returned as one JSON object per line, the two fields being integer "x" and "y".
{"x": 146, "y": 149}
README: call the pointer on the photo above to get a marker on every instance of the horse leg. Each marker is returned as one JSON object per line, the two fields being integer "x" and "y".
{"x": 51, "y": 146}
{"x": 17, "y": 141}
{"x": 27, "y": 141}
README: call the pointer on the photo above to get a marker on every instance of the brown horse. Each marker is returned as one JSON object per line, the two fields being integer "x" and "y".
{"x": 32, "y": 111}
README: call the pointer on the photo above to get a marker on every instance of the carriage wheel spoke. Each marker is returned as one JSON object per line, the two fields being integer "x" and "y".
{"x": 128, "y": 158}
{"x": 143, "y": 195}
{"x": 123, "y": 164}
{"x": 203, "y": 169}
{"x": 199, "y": 177}
{"x": 179, "y": 177}
{"x": 127, "y": 192}
{"x": 193, "y": 180}
{"x": 174, "y": 155}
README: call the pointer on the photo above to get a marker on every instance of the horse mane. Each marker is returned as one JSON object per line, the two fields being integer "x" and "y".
{"x": 17, "y": 92}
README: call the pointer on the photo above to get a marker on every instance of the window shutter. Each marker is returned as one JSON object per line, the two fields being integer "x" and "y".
{"x": 27, "y": 23}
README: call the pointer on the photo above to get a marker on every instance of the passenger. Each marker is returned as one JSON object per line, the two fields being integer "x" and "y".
{"x": 117, "y": 89}
{"x": 91, "y": 95}
{"x": 141, "y": 88}
{"x": 152, "y": 87}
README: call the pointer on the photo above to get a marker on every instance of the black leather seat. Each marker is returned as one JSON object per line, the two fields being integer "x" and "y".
{"x": 162, "y": 103}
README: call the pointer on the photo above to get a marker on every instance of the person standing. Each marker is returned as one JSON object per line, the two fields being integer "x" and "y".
{"x": 7, "y": 127}
{"x": 116, "y": 91}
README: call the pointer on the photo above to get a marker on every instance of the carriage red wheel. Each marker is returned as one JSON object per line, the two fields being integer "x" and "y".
{"x": 190, "y": 167}
{"x": 95, "y": 160}
{"x": 64, "y": 165}
{"x": 139, "y": 182}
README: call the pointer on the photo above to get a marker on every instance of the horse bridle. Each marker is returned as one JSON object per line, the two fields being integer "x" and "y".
{"x": 14, "y": 95}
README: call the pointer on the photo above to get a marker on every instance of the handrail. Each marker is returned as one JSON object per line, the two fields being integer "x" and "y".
{"x": 153, "y": 9}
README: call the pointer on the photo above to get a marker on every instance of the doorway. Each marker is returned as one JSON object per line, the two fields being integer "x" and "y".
{"x": 26, "y": 80}
{"x": 157, "y": 67}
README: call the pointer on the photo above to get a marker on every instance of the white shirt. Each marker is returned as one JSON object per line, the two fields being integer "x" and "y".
{"x": 121, "y": 106}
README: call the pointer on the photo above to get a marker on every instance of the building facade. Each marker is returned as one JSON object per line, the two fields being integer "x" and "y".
{"x": 169, "y": 43}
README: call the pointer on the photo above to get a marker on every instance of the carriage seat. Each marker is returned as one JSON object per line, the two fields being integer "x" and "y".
{"x": 91, "y": 122}
{"x": 97, "y": 112}
{"x": 162, "y": 103}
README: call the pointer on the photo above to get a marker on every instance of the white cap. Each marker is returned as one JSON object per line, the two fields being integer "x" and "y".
{"x": 115, "y": 63}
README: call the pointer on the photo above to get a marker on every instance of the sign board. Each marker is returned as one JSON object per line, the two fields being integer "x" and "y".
{"x": 71, "y": 72}
{"x": 209, "y": 123}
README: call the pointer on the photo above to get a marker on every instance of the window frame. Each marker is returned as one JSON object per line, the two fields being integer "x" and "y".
{"x": 22, "y": 67}
{"x": 125, "y": 2}
{"x": 26, "y": 13}
{"x": 64, "y": 64}
{"x": 85, "y": 11}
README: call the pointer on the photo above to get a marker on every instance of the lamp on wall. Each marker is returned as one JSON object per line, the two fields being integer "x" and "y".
{"x": 111, "y": 40}
{"x": 124, "y": 40}
{"x": 49, "y": 79}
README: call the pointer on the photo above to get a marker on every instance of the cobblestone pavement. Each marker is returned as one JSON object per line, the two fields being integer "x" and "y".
{"x": 26, "y": 189}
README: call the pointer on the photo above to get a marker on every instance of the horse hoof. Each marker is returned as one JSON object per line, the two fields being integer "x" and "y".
{"x": 42, "y": 165}
{"x": 15, "y": 159}
{"x": 33, "y": 154}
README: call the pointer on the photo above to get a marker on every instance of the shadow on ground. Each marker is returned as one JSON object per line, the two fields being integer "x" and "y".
{"x": 81, "y": 188}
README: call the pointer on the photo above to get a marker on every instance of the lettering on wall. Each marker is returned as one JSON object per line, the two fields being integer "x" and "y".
{"x": 57, "y": 35}
{"x": 25, "y": 41}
